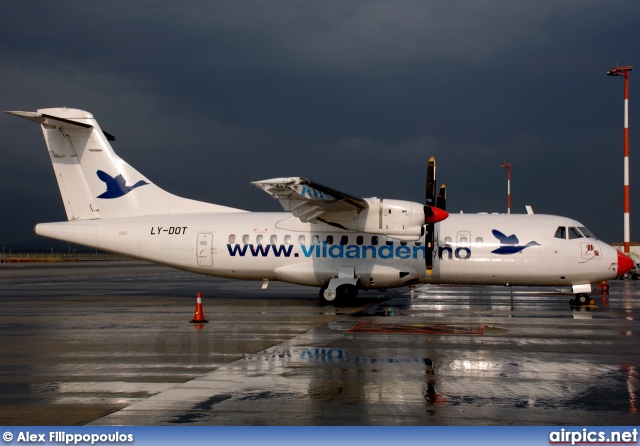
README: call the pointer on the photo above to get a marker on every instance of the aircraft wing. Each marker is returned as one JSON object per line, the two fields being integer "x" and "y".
{"x": 309, "y": 200}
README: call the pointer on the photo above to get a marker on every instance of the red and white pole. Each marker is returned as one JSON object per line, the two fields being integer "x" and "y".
{"x": 624, "y": 71}
{"x": 627, "y": 206}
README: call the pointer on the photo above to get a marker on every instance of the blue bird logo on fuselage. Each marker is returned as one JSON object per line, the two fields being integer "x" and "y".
{"x": 509, "y": 245}
{"x": 116, "y": 186}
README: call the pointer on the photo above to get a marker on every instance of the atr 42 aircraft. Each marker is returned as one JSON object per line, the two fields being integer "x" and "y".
{"x": 326, "y": 238}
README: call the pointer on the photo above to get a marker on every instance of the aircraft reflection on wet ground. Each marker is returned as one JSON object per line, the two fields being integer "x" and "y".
{"x": 116, "y": 349}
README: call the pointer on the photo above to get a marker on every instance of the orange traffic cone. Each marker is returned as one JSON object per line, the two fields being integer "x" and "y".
{"x": 198, "y": 317}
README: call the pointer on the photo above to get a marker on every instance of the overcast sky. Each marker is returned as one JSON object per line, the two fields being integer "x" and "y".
{"x": 206, "y": 96}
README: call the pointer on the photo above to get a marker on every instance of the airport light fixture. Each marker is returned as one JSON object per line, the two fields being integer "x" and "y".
{"x": 624, "y": 71}
{"x": 508, "y": 166}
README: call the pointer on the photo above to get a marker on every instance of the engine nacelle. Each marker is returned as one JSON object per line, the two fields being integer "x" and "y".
{"x": 399, "y": 219}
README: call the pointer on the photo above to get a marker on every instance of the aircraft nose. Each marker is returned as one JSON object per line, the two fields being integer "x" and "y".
{"x": 625, "y": 263}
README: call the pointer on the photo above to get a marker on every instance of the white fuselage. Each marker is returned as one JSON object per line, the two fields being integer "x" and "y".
{"x": 277, "y": 246}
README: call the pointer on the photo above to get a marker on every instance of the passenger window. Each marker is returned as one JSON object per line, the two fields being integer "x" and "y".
{"x": 329, "y": 239}
{"x": 389, "y": 242}
{"x": 403, "y": 243}
{"x": 344, "y": 240}
{"x": 232, "y": 238}
{"x": 418, "y": 243}
{"x": 574, "y": 233}
{"x": 479, "y": 241}
{"x": 374, "y": 240}
{"x": 301, "y": 239}
{"x": 463, "y": 241}
{"x": 315, "y": 239}
{"x": 273, "y": 240}
{"x": 259, "y": 239}
{"x": 245, "y": 239}
{"x": 447, "y": 240}
{"x": 287, "y": 239}
{"x": 359, "y": 240}
{"x": 561, "y": 232}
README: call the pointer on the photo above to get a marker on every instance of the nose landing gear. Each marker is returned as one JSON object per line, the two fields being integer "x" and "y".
{"x": 582, "y": 300}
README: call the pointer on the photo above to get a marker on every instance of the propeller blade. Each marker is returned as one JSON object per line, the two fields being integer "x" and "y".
{"x": 441, "y": 200}
{"x": 432, "y": 214}
{"x": 431, "y": 183}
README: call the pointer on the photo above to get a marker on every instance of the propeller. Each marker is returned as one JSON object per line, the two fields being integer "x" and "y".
{"x": 431, "y": 182}
{"x": 434, "y": 211}
{"x": 441, "y": 199}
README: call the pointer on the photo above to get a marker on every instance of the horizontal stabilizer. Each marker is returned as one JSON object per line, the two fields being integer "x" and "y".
{"x": 46, "y": 119}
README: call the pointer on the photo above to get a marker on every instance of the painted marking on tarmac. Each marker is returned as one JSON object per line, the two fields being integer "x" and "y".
{"x": 371, "y": 327}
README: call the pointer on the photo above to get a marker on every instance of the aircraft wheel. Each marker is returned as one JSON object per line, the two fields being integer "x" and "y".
{"x": 572, "y": 303}
{"x": 582, "y": 299}
{"x": 346, "y": 293}
{"x": 326, "y": 298}
{"x": 635, "y": 276}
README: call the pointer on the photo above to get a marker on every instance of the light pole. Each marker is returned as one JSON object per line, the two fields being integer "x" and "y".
{"x": 624, "y": 71}
{"x": 508, "y": 166}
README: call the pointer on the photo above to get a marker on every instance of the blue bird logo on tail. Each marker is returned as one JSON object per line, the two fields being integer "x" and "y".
{"x": 116, "y": 186}
{"x": 509, "y": 245}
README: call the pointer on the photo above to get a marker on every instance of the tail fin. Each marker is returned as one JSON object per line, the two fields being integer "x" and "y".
{"x": 94, "y": 182}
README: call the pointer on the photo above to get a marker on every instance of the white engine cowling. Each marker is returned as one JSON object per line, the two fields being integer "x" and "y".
{"x": 399, "y": 219}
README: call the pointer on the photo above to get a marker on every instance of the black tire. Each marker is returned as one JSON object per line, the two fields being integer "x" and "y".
{"x": 346, "y": 293}
{"x": 635, "y": 276}
{"x": 321, "y": 296}
{"x": 582, "y": 299}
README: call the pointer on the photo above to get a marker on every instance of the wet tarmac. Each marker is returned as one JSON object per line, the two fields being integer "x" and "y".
{"x": 111, "y": 344}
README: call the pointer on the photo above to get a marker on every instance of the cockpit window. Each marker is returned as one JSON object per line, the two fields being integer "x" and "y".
{"x": 574, "y": 233}
{"x": 586, "y": 232}
{"x": 561, "y": 232}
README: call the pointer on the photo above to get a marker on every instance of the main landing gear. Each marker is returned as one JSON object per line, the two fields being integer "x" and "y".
{"x": 582, "y": 300}
{"x": 341, "y": 294}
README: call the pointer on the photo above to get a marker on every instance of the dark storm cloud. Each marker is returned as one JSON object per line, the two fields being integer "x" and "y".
{"x": 205, "y": 97}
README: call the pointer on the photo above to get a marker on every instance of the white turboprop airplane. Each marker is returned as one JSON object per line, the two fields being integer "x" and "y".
{"x": 326, "y": 238}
